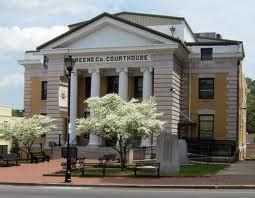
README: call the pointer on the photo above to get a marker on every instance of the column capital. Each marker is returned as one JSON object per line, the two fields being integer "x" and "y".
{"x": 143, "y": 69}
{"x": 94, "y": 70}
{"x": 74, "y": 72}
{"x": 121, "y": 69}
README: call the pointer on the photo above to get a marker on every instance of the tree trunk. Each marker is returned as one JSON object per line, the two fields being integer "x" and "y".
{"x": 122, "y": 154}
{"x": 122, "y": 161}
{"x": 28, "y": 154}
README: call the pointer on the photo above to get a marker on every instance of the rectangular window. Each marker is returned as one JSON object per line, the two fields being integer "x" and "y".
{"x": 138, "y": 87}
{"x": 206, "y": 54}
{"x": 113, "y": 84}
{"x": 87, "y": 87}
{"x": 206, "y": 88}
{"x": 44, "y": 90}
{"x": 205, "y": 126}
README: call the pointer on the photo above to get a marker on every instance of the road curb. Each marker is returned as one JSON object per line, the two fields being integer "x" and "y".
{"x": 135, "y": 186}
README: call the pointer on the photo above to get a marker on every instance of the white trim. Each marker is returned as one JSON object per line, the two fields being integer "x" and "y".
{"x": 209, "y": 75}
{"x": 218, "y": 55}
{"x": 132, "y": 49}
{"x": 30, "y": 61}
{"x": 205, "y": 111}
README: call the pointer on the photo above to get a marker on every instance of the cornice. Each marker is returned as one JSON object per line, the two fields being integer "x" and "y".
{"x": 30, "y": 62}
{"x": 219, "y": 55}
{"x": 113, "y": 50}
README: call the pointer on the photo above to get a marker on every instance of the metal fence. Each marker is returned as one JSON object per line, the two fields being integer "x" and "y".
{"x": 212, "y": 147}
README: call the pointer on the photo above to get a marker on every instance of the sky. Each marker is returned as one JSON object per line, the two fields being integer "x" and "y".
{"x": 25, "y": 24}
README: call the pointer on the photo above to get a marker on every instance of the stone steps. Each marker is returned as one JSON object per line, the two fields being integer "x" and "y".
{"x": 92, "y": 152}
{"x": 204, "y": 158}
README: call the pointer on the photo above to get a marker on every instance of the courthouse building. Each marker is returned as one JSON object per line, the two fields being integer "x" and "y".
{"x": 196, "y": 78}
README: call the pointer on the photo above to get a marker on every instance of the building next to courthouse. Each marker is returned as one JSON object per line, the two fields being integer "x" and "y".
{"x": 196, "y": 78}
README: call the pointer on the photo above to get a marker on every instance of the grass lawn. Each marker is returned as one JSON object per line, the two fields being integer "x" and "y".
{"x": 201, "y": 169}
{"x": 186, "y": 171}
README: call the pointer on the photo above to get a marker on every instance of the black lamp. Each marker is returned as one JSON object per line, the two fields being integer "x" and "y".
{"x": 69, "y": 64}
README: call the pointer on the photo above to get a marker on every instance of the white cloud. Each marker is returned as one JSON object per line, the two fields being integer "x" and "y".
{"x": 12, "y": 81}
{"x": 21, "y": 39}
{"x": 51, "y": 6}
{"x": 14, "y": 41}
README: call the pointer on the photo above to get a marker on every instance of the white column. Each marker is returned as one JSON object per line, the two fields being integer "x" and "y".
{"x": 123, "y": 83}
{"x": 73, "y": 107}
{"x": 147, "y": 83}
{"x": 94, "y": 140}
{"x": 95, "y": 82}
{"x": 147, "y": 92}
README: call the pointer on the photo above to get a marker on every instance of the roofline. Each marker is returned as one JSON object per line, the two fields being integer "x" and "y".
{"x": 152, "y": 15}
{"x": 223, "y": 43}
{"x": 145, "y": 14}
{"x": 218, "y": 39}
{"x": 134, "y": 13}
{"x": 31, "y": 51}
{"x": 213, "y": 43}
{"x": 72, "y": 30}
{"x": 75, "y": 24}
{"x": 160, "y": 16}
{"x": 118, "y": 19}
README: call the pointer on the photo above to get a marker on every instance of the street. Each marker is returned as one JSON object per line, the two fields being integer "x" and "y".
{"x": 90, "y": 192}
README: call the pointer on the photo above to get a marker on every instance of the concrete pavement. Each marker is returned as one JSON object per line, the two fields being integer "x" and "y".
{"x": 33, "y": 174}
{"x": 67, "y": 192}
{"x": 245, "y": 167}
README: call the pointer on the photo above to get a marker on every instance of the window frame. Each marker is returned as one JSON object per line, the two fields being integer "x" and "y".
{"x": 199, "y": 89}
{"x": 212, "y": 130}
{"x": 44, "y": 90}
{"x": 87, "y": 87}
{"x": 205, "y": 56}
{"x": 137, "y": 93}
{"x": 111, "y": 85}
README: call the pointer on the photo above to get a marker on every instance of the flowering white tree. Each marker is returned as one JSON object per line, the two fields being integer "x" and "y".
{"x": 113, "y": 118}
{"x": 25, "y": 131}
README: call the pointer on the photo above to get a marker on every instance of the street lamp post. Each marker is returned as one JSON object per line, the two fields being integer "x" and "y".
{"x": 69, "y": 64}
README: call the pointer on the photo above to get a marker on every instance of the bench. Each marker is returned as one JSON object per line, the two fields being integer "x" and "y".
{"x": 11, "y": 157}
{"x": 108, "y": 158}
{"x": 138, "y": 166}
{"x": 74, "y": 162}
{"x": 35, "y": 157}
{"x": 147, "y": 166}
{"x": 94, "y": 165}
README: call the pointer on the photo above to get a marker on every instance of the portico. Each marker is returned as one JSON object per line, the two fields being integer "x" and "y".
{"x": 101, "y": 84}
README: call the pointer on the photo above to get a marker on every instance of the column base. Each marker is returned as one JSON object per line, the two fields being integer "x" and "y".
{"x": 146, "y": 142}
{"x": 94, "y": 141}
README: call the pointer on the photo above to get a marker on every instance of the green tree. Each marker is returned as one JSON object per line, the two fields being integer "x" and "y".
{"x": 17, "y": 113}
{"x": 250, "y": 105}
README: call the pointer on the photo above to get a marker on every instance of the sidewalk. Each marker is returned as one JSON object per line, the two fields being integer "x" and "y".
{"x": 246, "y": 168}
{"x": 33, "y": 174}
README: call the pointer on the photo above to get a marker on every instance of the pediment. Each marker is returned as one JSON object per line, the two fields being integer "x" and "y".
{"x": 107, "y": 32}
{"x": 108, "y": 35}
